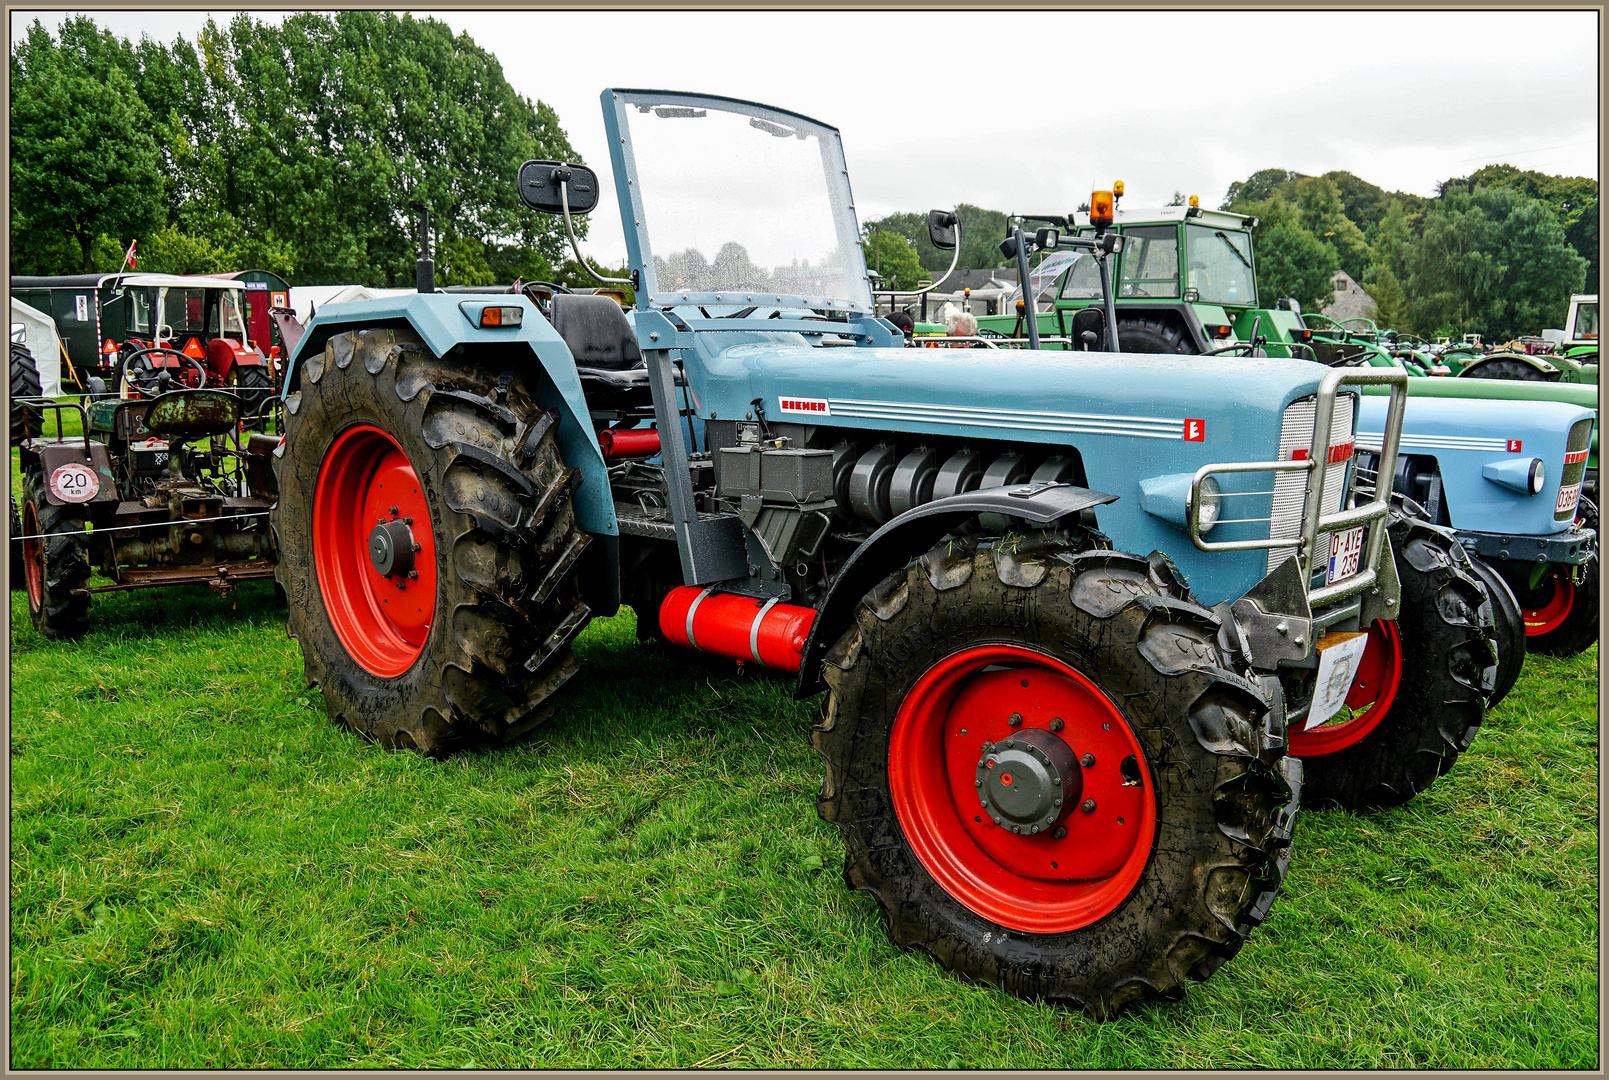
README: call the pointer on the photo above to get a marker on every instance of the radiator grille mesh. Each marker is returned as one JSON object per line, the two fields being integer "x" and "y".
{"x": 1296, "y": 433}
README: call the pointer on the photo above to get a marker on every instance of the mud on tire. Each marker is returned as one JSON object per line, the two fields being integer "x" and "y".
{"x": 1449, "y": 666}
{"x": 56, "y": 565}
{"x": 1174, "y": 672}
{"x": 506, "y": 544}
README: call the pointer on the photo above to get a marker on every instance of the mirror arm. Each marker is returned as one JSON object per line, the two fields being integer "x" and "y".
{"x": 564, "y": 201}
{"x": 953, "y": 260}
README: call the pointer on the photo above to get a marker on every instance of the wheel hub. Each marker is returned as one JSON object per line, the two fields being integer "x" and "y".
{"x": 391, "y": 547}
{"x": 1029, "y": 781}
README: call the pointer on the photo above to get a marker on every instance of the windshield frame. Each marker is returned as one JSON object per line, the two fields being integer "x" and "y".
{"x": 640, "y": 252}
{"x": 1248, "y": 258}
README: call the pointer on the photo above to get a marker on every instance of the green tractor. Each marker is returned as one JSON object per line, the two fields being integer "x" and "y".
{"x": 1186, "y": 282}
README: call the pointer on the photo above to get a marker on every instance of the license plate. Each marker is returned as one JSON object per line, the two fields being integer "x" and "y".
{"x": 1568, "y": 498}
{"x": 1345, "y": 550}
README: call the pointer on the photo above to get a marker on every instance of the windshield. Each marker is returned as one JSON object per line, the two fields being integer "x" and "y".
{"x": 1218, "y": 265}
{"x": 734, "y": 200}
{"x": 1150, "y": 261}
{"x": 1586, "y": 321}
{"x": 1083, "y": 280}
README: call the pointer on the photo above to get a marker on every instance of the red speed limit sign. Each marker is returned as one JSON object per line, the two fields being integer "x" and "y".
{"x": 75, "y": 483}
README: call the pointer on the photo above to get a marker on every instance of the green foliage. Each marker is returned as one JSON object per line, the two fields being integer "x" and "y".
{"x": 1583, "y": 237}
{"x": 894, "y": 257}
{"x": 296, "y": 147}
{"x": 981, "y": 233}
{"x": 1290, "y": 260}
{"x": 169, "y": 251}
{"x": 1492, "y": 261}
{"x": 1390, "y": 302}
{"x": 1257, "y": 187}
{"x": 1323, "y": 216}
{"x": 83, "y": 161}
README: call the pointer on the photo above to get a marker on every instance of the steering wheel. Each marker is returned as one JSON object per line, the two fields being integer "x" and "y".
{"x": 525, "y": 289}
{"x": 140, "y": 372}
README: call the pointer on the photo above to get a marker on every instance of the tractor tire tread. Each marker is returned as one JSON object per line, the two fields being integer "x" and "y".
{"x": 63, "y": 613}
{"x": 1223, "y": 842}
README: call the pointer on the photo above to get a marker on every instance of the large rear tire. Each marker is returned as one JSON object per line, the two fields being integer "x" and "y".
{"x": 1439, "y": 677}
{"x": 19, "y": 576}
{"x": 466, "y": 638}
{"x": 24, "y": 384}
{"x": 1502, "y": 367}
{"x": 56, "y": 564}
{"x": 1046, "y": 652}
{"x": 1153, "y": 336}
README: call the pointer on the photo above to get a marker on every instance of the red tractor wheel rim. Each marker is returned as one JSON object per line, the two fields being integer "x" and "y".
{"x": 366, "y": 481}
{"x": 1044, "y": 883}
{"x": 1558, "y": 592}
{"x": 1373, "y": 692}
{"x": 33, "y": 558}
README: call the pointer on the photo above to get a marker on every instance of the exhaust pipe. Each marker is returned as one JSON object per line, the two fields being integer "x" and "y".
{"x": 740, "y": 628}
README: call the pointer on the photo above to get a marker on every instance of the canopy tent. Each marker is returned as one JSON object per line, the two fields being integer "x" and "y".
{"x": 39, "y": 334}
{"x": 307, "y": 299}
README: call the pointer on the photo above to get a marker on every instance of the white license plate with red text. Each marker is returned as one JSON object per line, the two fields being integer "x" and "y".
{"x": 1345, "y": 550}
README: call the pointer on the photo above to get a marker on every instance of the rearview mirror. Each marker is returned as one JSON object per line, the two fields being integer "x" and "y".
{"x": 941, "y": 229}
{"x": 539, "y": 184}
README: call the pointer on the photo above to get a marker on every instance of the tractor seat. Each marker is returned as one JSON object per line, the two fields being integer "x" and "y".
{"x": 193, "y": 414}
{"x": 613, "y": 373}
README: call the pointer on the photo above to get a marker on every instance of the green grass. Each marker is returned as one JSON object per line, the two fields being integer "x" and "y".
{"x": 205, "y": 872}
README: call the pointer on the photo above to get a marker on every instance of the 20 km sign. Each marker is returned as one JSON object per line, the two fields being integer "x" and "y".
{"x": 75, "y": 483}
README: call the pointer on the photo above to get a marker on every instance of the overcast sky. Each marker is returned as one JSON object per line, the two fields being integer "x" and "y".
{"x": 1164, "y": 101}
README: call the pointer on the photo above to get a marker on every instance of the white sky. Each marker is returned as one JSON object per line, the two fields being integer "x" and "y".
{"x": 1165, "y": 101}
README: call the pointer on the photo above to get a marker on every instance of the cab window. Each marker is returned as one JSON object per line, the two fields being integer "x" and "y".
{"x": 1083, "y": 279}
{"x": 1586, "y": 321}
{"x": 1150, "y": 261}
{"x": 1218, "y": 265}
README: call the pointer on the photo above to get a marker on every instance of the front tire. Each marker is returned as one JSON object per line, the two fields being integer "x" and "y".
{"x": 1561, "y": 614}
{"x": 1510, "y": 641}
{"x": 467, "y": 638}
{"x": 55, "y": 566}
{"x": 1432, "y": 669}
{"x": 980, "y": 644}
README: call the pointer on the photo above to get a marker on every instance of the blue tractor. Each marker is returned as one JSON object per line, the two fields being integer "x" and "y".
{"x": 1065, "y": 608}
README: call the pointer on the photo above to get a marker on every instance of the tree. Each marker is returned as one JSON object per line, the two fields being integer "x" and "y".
{"x": 1583, "y": 237}
{"x": 83, "y": 161}
{"x": 1290, "y": 260}
{"x": 1319, "y": 201}
{"x": 1390, "y": 302}
{"x": 1453, "y": 269}
{"x": 1541, "y": 270}
{"x": 893, "y": 256}
{"x": 1256, "y": 188}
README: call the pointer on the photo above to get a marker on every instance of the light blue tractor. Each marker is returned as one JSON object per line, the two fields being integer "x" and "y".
{"x": 1506, "y": 477}
{"x": 1065, "y": 608}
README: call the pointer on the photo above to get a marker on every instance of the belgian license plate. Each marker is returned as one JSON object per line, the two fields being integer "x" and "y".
{"x": 1345, "y": 550}
{"x": 1569, "y": 498}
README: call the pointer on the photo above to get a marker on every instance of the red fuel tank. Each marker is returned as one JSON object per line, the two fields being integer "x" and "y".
{"x": 739, "y": 627}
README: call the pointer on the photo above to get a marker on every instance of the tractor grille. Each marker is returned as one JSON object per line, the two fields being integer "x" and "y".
{"x": 1290, "y": 488}
{"x": 1577, "y": 448}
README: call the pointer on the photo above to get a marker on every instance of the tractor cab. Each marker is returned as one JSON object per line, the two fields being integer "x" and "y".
{"x": 1185, "y": 282}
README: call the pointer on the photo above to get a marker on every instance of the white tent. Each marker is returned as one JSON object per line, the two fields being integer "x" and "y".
{"x": 39, "y": 334}
{"x": 306, "y": 299}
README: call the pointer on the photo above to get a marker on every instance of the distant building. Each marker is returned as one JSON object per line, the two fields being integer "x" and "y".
{"x": 1350, "y": 302}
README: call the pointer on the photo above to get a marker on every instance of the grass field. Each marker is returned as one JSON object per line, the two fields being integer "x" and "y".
{"x": 205, "y": 872}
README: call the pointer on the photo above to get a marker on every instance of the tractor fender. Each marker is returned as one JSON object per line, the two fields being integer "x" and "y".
{"x": 911, "y": 534}
{"x": 224, "y": 354}
{"x": 442, "y": 321}
{"x": 1542, "y": 367}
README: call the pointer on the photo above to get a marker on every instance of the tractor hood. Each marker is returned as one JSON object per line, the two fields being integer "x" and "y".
{"x": 1479, "y": 448}
{"x": 1163, "y": 407}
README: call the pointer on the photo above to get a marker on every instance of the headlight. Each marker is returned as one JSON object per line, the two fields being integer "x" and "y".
{"x": 1210, "y": 505}
{"x": 1538, "y": 471}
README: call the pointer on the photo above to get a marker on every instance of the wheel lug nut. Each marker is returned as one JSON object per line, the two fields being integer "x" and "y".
{"x": 418, "y": 548}
{"x": 1088, "y": 761}
{"x": 1056, "y": 803}
{"x": 1015, "y": 719}
{"x": 1056, "y": 780}
{"x": 393, "y": 511}
{"x": 1089, "y": 806}
{"x": 407, "y": 521}
{"x": 1060, "y": 833}
{"x": 1056, "y": 724}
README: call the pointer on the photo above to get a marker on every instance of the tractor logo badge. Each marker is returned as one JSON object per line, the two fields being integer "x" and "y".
{"x": 798, "y": 406}
{"x": 1195, "y": 431}
{"x": 1514, "y": 446}
{"x": 75, "y": 483}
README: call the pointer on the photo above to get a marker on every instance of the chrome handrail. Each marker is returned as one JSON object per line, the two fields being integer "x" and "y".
{"x": 1314, "y": 520}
